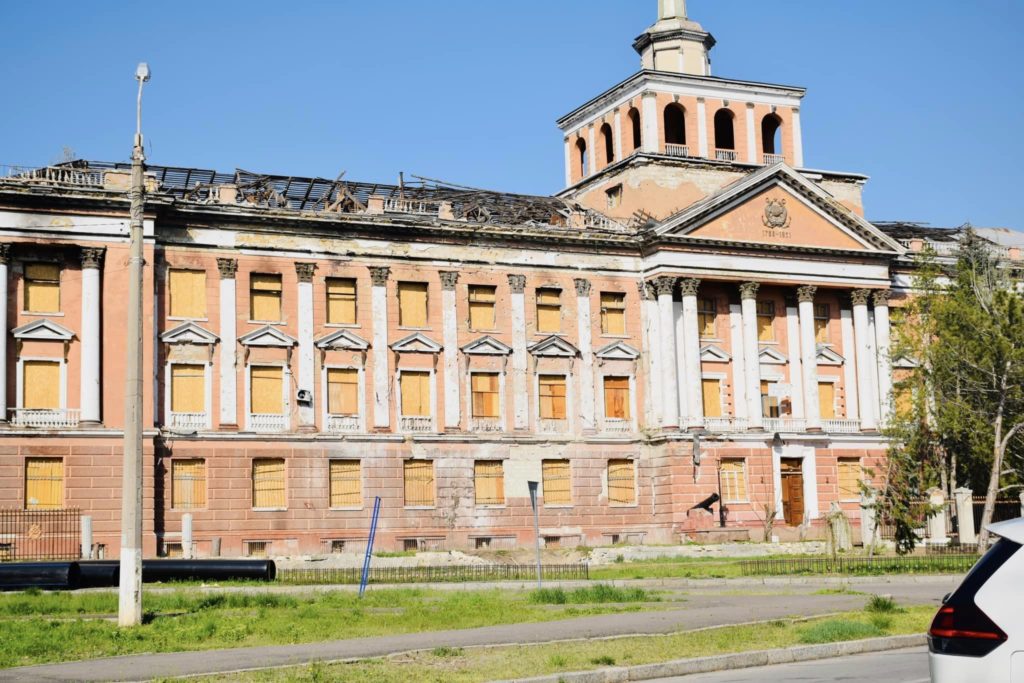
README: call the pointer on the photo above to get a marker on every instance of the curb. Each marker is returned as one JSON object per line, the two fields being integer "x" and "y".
{"x": 742, "y": 660}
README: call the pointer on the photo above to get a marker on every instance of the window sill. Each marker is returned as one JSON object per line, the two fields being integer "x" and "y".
{"x": 185, "y": 318}
{"x": 491, "y": 506}
{"x": 771, "y": 342}
{"x": 270, "y": 509}
{"x": 266, "y": 322}
{"x": 348, "y": 509}
{"x": 620, "y": 506}
{"x": 343, "y": 326}
{"x": 415, "y": 329}
{"x": 419, "y": 507}
{"x": 48, "y": 315}
{"x": 549, "y": 334}
{"x": 736, "y": 502}
{"x": 559, "y": 506}
{"x": 470, "y": 329}
{"x": 615, "y": 336}
{"x": 713, "y": 340}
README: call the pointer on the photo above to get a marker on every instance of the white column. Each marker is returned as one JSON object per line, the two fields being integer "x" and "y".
{"x": 850, "y": 364}
{"x": 652, "y": 338}
{"x": 381, "y": 383}
{"x": 568, "y": 162}
{"x": 306, "y": 378}
{"x": 617, "y": 134}
{"x": 92, "y": 261}
{"x": 810, "y": 472}
{"x": 873, "y": 365}
{"x": 702, "y": 128}
{"x": 883, "y": 351}
{"x": 649, "y": 122}
{"x": 691, "y": 343}
{"x": 798, "y": 140}
{"x": 5, "y": 253}
{"x": 751, "y": 135}
{"x": 227, "y": 267}
{"x": 586, "y": 353}
{"x": 796, "y": 366}
{"x": 864, "y": 361}
{"x": 739, "y": 378}
{"x": 680, "y": 366}
{"x": 592, "y": 150}
{"x": 809, "y": 357}
{"x": 450, "y": 340}
{"x": 751, "y": 355}
{"x": 664, "y": 287}
{"x": 521, "y": 402}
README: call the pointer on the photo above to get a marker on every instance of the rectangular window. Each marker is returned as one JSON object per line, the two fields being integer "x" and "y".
{"x": 734, "y": 480}
{"x": 489, "y": 482}
{"x": 613, "y": 313}
{"x": 616, "y": 398}
{"x": 188, "y": 293}
{"x": 44, "y": 483}
{"x": 266, "y": 390}
{"x": 549, "y": 310}
{"x": 342, "y": 391}
{"x": 415, "y": 387}
{"x": 827, "y": 400}
{"x": 188, "y": 388}
{"x": 821, "y": 318}
{"x": 419, "y": 483}
{"x": 265, "y": 298}
{"x": 188, "y": 484}
{"x": 769, "y": 403}
{"x": 268, "y": 483}
{"x": 557, "y": 482}
{"x": 482, "y": 300}
{"x": 552, "y": 397}
{"x": 41, "y": 385}
{"x": 766, "y": 321}
{"x": 346, "y": 484}
{"x": 341, "y": 301}
{"x": 712, "y": 390}
{"x": 42, "y": 288}
{"x": 706, "y": 316}
{"x": 903, "y": 400}
{"x": 622, "y": 482}
{"x": 485, "y": 394}
{"x": 849, "y": 478}
{"x": 412, "y": 304}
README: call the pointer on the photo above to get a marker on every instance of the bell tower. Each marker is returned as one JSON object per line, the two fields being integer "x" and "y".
{"x": 675, "y": 44}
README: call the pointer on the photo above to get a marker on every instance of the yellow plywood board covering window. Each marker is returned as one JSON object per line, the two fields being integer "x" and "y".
{"x": 482, "y": 301}
{"x": 41, "y": 385}
{"x": 616, "y": 398}
{"x": 489, "y": 482}
{"x": 613, "y": 313}
{"x": 188, "y": 293}
{"x": 415, "y": 393}
{"x": 266, "y": 390}
{"x": 622, "y": 482}
{"x": 552, "y": 397}
{"x": 827, "y": 399}
{"x": 765, "y": 321}
{"x": 346, "y": 484}
{"x": 734, "y": 481}
{"x": 485, "y": 394}
{"x": 706, "y": 317}
{"x": 712, "y": 390}
{"x": 44, "y": 483}
{"x": 188, "y": 484}
{"x": 341, "y": 301}
{"x": 412, "y": 304}
{"x": 42, "y": 287}
{"x": 188, "y": 389}
{"x": 849, "y": 478}
{"x": 557, "y": 482}
{"x": 265, "y": 297}
{"x": 343, "y": 391}
{"x": 268, "y": 483}
{"x": 419, "y": 483}
{"x": 549, "y": 310}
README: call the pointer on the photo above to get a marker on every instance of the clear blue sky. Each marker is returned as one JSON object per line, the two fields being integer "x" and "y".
{"x": 925, "y": 96}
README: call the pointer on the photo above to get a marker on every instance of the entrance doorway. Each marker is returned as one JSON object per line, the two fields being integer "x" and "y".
{"x": 792, "y": 491}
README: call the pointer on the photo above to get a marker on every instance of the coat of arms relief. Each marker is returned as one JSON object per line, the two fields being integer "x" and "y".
{"x": 776, "y": 215}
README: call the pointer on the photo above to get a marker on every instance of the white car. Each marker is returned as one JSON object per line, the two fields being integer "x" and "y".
{"x": 978, "y": 634}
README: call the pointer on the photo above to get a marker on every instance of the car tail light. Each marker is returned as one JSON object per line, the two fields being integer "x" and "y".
{"x": 964, "y": 630}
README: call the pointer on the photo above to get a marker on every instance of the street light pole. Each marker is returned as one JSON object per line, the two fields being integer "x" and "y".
{"x": 129, "y": 611}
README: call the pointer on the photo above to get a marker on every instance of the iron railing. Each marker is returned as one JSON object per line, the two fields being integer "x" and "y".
{"x": 448, "y": 574}
{"x": 908, "y": 564}
{"x": 40, "y": 535}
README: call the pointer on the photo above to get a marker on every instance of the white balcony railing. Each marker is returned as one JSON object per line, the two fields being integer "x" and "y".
{"x": 725, "y": 424}
{"x": 617, "y": 426}
{"x": 725, "y": 154}
{"x": 265, "y": 423}
{"x": 674, "y": 150}
{"x": 487, "y": 425}
{"x": 834, "y": 426}
{"x": 37, "y": 418}
{"x": 60, "y": 175}
{"x": 410, "y": 206}
{"x": 784, "y": 424}
{"x": 552, "y": 426}
{"x": 344, "y": 424}
{"x": 770, "y": 159}
{"x": 416, "y": 423}
{"x": 189, "y": 421}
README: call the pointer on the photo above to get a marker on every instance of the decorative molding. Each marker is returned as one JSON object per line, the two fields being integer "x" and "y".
{"x": 643, "y": 290}
{"x": 189, "y": 333}
{"x": 267, "y": 336}
{"x": 517, "y": 283}
{"x": 92, "y": 257}
{"x": 748, "y": 290}
{"x": 714, "y": 354}
{"x": 905, "y": 363}
{"x": 859, "y": 297}
{"x": 343, "y": 340}
{"x": 554, "y": 346}
{"x": 582, "y": 286}
{"x": 806, "y": 293}
{"x": 770, "y": 356}
{"x": 227, "y": 267}
{"x": 664, "y": 285}
{"x": 486, "y": 346}
{"x": 881, "y": 297}
{"x": 449, "y": 278}
{"x": 416, "y": 343}
{"x": 5, "y": 253}
{"x": 379, "y": 275}
{"x": 689, "y": 286}
{"x": 43, "y": 330}
{"x": 827, "y": 356}
{"x": 619, "y": 350}
{"x": 305, "y": 271}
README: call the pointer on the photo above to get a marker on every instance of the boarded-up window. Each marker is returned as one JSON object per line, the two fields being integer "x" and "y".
{"x": 419, "y": 483}
{"x": 346, "y": 484}
{"x": 268, "y": 483}
{"x": 552, "y": 397}
{"x": 44, "y": 483}
{"x": 265, "y": 297}
{"x": 613, "y": 313}
{"x": 903, "y": 396}
{"x": 342, "y": 391}
{"x": 827, "y": 399}
{"x": 412, "y": 304}
{"x": 822, "y": 315}
{"x": 706, "y": 315}
{"x": 769, "y": 403}
{"x": 850, "y": 474}
{"x": 557, "y": 482}
{"x": 734, "y": 480}
{"x": 341, "y": 301}
{"x": 489, "y": 482}
{"x": 188, "y": 389}
{"x": 188, "y": 484}
{"x": 481, "y": 307}
{"x": 266, "y": 390}
{"x": 188, "y": 293}
{"x": 549, "y": 310}
{"x": 712, "y": 390}
{"x": 41, "y": 385}
{"x": 616, "y": 398}
{"x": 415, "y": 387}
{"x": 485, "y": 394}
{"x": 622, "y": 482}
{"x": 42, "y": 288}
{"x": 766, "y": 321}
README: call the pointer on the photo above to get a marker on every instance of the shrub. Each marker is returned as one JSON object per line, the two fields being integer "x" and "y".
{"x": 835, "y": 630}
{"x": 882, "y": 604}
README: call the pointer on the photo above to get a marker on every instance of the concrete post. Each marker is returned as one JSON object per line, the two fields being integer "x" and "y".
{"x": 215, "y": 550}
{"x": 937, "y": 521}
{"x": 964, "y": 498}
{"x": 86, "y": 537}
{"x": 868, "y": 519}
{"x": 186, "y": 536}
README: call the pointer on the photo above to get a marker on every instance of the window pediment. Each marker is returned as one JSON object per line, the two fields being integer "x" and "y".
{"x": 343, "y": 340}
{"x": 268, "y": 336}
{"x": 554, "y": 346}
{"x": 827, "y": 356}
{"x": 618, "y": 351}
{"x": 486, "y": 346}
{"x": 770, "y": 356}
{"x": 714, "y": 354}
{"x": 416, "y": 343}
{"x": 189, "y": 333}
{"x": 43, "y": 330}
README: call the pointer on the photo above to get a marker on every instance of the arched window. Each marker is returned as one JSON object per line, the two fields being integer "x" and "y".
{"x": 634, "y": 123}
{"x": 725, "y": 135}
{"x": 582, "y": 165}
{"x": 609, "y": 144}
{"x": 675, "y": 131}
{"x": 771, "y": 138}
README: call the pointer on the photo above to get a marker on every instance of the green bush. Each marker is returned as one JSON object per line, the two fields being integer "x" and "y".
{"x": 881, "y": 604}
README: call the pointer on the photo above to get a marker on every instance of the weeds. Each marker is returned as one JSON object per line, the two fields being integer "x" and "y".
{"x": 835, "y": 630}
{"x": 882, "y": 604}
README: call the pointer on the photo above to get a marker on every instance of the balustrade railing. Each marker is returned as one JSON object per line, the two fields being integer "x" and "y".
{"x": 190, "y": 421}
{"x": 62, "y": 175}
{"x": 488, "y": 425}
{"x": 835, "y": 426}
{"x": 552, "y": 426}
{"x": 674, "y": 150}
{"x": 267, "y": 423}
{"x": 393, "y": 205}
{"x": 416, "y": 423}
{"x": 37, "y": 418}
{"x": 784, "y": 424}
{"x": 725, "y": 424}
{"x": 725, "y": 154}
{"x": 772, "y": 158}
{"x": 342, "y": 424}
{"x": 617, "y": 426}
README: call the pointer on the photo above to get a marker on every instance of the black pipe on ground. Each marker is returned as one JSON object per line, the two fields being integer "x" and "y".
{"x": 54, "y": 576}
{"x": 107, "y": 572}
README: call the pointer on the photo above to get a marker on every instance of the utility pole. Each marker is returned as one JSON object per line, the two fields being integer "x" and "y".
{"x": 129, "y": 604}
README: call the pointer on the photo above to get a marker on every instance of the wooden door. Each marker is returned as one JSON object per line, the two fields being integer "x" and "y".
{"x": 792, "y": 491}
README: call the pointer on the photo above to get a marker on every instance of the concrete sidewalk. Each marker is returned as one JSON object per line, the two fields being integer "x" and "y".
{"x": 703, "y": 609}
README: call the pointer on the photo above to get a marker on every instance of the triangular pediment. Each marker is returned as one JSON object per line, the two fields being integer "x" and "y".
{"x": 343, "y": 340}
{"x": 619, "y": 350}
{"x": 189, "y": 333}
{"x": 43, "y": 330}
{"x": 770, "y": 356}
{"x": 778, "y": 206}
{"x": 416, "y": 343}
{"x": 827, "y": 356}
{"x": 486, "y": 346}
{"x": 714, "y": 354}
{"x": 554, "y": 346}
{"x": 267, "y": 336}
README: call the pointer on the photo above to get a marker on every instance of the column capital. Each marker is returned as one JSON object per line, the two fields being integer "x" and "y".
{"x": 305, "y": 271}
{"x": 748, "y": 290}
{"x": 859, "y": 297}
{"x": 881, "y": 297}
{"x": 806, "y": 293}
{"x": 582, "y": 286}
{"x": 5, "y": 253}
{"x": 517, "y": 283}
{"x": 689, "y": 286}
{"x": 92, "y": 257}
{"x": 643, "y": 288}
{"x": 379, "y": 275}
{"x": 664, "y": 285}
{"x": 227, "y": 267}
{"x": 449, "y": 278}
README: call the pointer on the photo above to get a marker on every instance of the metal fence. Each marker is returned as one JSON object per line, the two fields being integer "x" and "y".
{"x": 910, "y": 564}
{"x": 40, "y": 535}
{"x": 453, "y": 574}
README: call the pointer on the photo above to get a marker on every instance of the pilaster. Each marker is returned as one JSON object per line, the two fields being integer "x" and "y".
{"x": 649, "y": 122}
{"x": 520, "y": 401}
{"x": 751, "y": 355}
{"x": 227, "y": 268}
{"x": 379, "y": 310}
{"x": 92, "y": 297}
{"x": 5, "y": 255}
{"x": 702, "y": 128}
{"x": 866, "y": 402}
{"x": 883, "y": 350}
{"x": 450, "y": 341}
{"x": 809, "y": 357}
{"x": 307, "y": 383}
{"x": 587, "y": 399}
{"x": 751, "y": 135}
